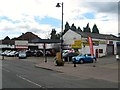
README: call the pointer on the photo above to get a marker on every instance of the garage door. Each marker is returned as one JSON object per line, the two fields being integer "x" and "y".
{"x": 110, "y": 49}
{"x": 118, "y": 48}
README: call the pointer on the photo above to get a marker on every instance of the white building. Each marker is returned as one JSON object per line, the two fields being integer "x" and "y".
{"x": 102, "y": 44}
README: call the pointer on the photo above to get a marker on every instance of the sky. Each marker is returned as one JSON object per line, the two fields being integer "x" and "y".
{"x": 41, "y": 16}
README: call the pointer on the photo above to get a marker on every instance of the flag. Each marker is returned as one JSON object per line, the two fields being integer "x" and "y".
{"x": 91, "y": 46}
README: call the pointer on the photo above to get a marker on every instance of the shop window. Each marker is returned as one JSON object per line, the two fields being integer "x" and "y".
{"x": 100, "y": 50}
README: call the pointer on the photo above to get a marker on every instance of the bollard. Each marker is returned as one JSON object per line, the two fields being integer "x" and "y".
{"x": 74, "y": 65}
{"x": 45, "y": 59}
{"x": 117, "y": 57}
{"x": 2, "y": 57}
{"x": 74, "y": 62}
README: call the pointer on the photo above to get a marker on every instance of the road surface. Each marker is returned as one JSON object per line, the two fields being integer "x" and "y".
{"x": 23, "y": 74}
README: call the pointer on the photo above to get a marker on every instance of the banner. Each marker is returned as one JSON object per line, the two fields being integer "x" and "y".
{"x": 91, "y": 46}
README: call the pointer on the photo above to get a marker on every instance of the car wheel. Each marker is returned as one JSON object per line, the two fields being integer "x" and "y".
{"x": 92, "y": 61}
{"x": 81, "y": 61}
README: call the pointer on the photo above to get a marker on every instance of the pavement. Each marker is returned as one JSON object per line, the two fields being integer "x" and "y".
{"x": 107, "y": 72}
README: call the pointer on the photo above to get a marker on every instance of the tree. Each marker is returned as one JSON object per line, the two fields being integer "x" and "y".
{"x": 79, "y": 29}
{"x": 54, "y": 35}
{"x": 95, "y": 29}
{"x": 73, "y": 27}
{"x": 58, "y": 36}
{"x": 87, "y": 28}
{"x": 67, "y": 27}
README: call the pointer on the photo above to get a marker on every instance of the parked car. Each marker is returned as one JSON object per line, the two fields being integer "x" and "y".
{"x": 22, "y": 54}
{"x": 64, "y": 52}
{"x": 28, "y": 53}
{"x": 38, "y": 53}
{"x": 84, "y": 58}
{"x": 5, "y": 52}
{"x": 68, "y": 56}
{"x": 11, "y": 54}
{"x": 48, "y": 53}
{"x": 16, "y": 53}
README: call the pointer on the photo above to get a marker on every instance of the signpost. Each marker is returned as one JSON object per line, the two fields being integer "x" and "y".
{"x": 44, "y": 51}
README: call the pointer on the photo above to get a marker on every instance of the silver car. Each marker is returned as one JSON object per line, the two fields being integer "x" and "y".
{"x": 22, "y": 54}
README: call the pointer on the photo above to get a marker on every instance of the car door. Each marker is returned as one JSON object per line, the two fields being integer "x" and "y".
{"x": 87, "y": 58}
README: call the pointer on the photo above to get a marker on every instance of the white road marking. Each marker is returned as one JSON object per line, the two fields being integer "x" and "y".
{"x": 6, "y": 70}
{"x": 29, "y": 81}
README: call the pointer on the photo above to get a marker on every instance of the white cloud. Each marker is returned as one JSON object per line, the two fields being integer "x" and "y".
{"x": 24, "y": 11}
{"x": 102, "y": 0}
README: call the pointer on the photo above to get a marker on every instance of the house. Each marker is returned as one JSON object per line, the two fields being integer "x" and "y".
{"x": 103, "y": 44}
{"x": 6, "y": 43}
{"x": 27, "y": 41}
{"x": 29, "y": 36}
{"x": 18, "y": 43}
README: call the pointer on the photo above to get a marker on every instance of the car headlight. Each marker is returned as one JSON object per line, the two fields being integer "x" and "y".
{"x": 72, "y": 57}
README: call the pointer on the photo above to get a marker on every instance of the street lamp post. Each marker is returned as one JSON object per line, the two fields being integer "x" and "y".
{"x": 61, "y": 5}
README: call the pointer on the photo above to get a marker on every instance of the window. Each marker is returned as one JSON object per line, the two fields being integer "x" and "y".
{"x": 100, "y": 50}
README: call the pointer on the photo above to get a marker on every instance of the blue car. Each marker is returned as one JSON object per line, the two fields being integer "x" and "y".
{"x": 83, "y": 58}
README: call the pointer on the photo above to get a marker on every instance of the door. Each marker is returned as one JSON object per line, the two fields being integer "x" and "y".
{"x": 96, "y": 53}
{"x": 110, "y": 49}
{"x": 118, "y": 48}
{"x": 87, "y": 58}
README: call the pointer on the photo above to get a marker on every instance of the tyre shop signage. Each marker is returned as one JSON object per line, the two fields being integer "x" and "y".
{"x": 95, "y": 43}
{"x": 21, "y": 46}
{"x": 21, "y": 42}
{"x": 77, "y": 44}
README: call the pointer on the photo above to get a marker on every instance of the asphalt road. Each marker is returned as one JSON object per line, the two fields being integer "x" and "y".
{"x": 23, "y": 74}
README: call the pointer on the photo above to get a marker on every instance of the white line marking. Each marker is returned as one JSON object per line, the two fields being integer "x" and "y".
{"x": 6, "y": 70}
{"x": 28, "y": 80}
